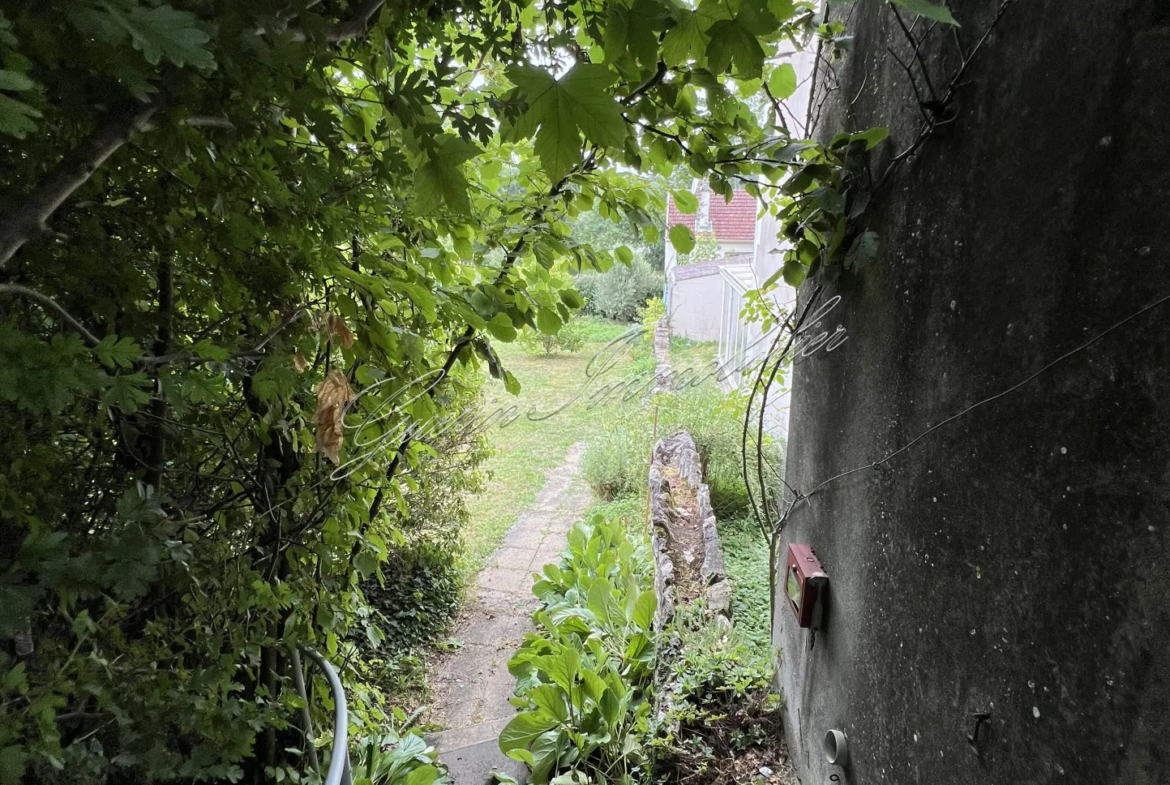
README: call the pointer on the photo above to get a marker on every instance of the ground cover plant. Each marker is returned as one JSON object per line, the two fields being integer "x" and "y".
{"x": 721, "y": 717}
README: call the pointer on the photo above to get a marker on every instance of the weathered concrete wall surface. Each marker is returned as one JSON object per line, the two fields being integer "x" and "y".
{"x": 1015, "y": 561}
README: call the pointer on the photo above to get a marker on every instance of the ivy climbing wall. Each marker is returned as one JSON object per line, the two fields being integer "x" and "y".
{"x": 1000, "y": 589}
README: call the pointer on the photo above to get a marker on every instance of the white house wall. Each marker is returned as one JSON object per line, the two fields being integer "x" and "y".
{"x": 695, "y": 308}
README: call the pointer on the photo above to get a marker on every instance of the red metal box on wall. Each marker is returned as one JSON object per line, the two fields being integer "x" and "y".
{"x": 805, "y": 585}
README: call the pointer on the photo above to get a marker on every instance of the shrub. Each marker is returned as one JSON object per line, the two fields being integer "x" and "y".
{"x": 619, "y": 292}
{"x": 418, "y": 596}
{"x": 419, "y": 587}
{"x": 570, "y": 338}
{"x": 651, "y": 313}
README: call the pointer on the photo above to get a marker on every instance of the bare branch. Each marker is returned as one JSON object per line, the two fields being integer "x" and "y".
{"x": 778, "y": 109}
{"x": 26, "y": 217}
{"x": 45, "y": 300}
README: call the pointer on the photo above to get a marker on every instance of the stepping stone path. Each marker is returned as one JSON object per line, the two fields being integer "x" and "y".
{"x": 472, "y": 684}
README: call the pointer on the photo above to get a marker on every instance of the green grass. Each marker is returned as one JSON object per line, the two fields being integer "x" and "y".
{"x": 746, "y": 557}
{"x": 527, "y": 449}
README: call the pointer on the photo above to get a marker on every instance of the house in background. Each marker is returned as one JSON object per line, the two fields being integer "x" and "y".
{"x": 692, "y": 289}
{"x": 705, "y": 300}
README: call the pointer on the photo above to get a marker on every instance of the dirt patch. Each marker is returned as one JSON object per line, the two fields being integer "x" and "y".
{"x": 684, "y": 536}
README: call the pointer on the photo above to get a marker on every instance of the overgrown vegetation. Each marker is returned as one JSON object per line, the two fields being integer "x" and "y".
{"x": 616, "y": 463}
{"x": 745, "y": 554}
{"x": 583, "y": 677}
{"x": 251, "y": 257}
{"x": 570, "y": 338}
{"x": 392, "y": 759}
{"x": 716, "y": 718}
{"x": 722, "y": 719}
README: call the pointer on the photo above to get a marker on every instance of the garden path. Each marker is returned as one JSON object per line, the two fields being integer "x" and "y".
{"x": 472, "y": 684}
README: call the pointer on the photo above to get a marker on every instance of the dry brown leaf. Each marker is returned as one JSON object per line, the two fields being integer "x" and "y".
{"x": 338, "y": 328}
{"x": 333, "y": 395}
{"x": 299, "y": 362}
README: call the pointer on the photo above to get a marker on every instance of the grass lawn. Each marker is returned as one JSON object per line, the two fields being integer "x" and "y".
{"x": 528, "y": 448}
{"x": 745, "y": 555}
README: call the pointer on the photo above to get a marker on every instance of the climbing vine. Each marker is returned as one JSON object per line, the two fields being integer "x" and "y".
{"x": 823, "y": 208}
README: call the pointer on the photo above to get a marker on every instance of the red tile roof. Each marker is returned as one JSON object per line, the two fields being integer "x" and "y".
{"x": 734, "y": 220}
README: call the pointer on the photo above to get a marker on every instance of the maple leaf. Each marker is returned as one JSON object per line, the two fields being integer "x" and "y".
{"x": 333, "y": 395}
{"x": 440, "y": 178}
{"x": 299, "y": 362}
{"x": 561, "y": 110}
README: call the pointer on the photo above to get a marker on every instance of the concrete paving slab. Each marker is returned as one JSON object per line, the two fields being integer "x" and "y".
{"x": 492, "y": 629}
{"x": 512, "y": 558}
{"x": 504, "y": 580}
{"x": 476, "y": 764}
{"x": 471, "y": 685}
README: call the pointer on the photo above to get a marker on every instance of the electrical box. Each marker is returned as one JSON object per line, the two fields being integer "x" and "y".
{"x": 806, "y": 586}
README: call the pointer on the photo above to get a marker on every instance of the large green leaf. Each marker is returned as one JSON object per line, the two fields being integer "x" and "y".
{"x": 631, "y": 30}
{"x": 423, "y": 775}
{"x": 644, "y": 609}
{"x": 548, "y": 322}
{"x": 737, "y": 41}
{"x": 163, "y": 31}
{"x": 16, "y": 117}
{"x": 523, "y": 729}
{"x": 782, "y": 82}
{"x": 682, "y": 238}
{"x": 732, "y": 43}
{"x": 500, "y": 326}
{"x": 863, "y": 251}
{"x": 551, "y": 700}
{"x": 685, "y": 41}
{"x": 441, "y": 179}
{"x": 685, "y": 201}
{"x": 561, "y": 668}
{"x": 560, "y": 111}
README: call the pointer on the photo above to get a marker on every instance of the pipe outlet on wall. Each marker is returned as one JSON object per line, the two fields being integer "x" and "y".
{"x": 836, "y": 747}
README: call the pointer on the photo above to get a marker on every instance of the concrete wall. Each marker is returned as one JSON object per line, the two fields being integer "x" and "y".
{"x": 695, "y": 305}
{"x": 1017, "y": 560}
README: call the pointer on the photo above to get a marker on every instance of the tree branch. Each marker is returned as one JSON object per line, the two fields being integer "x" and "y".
{"x": 510, "y": 260}
{"x": 207, "y": 121}
{"x": 45, "y": 300}
{"x": 354, "y": 27}
{"x": 25, "y": 218}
